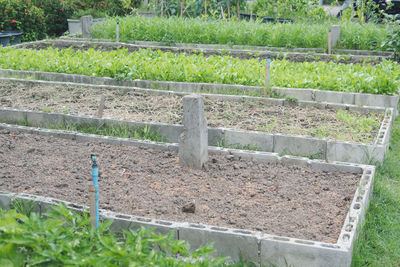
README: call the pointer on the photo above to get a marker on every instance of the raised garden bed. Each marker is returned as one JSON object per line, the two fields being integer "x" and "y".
{"x": 158, "y": 66}
{"x": 333, "y": 150}
{"x": 270, "y": 195}
{"x": 385, "y": 54}
{"x": 301, "y": 94}
{"x": 242, "y": 54}
{"x": 248, "y": 114}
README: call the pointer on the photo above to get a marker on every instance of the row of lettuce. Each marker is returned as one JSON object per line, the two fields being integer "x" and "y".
{"x": 147, "y": 64}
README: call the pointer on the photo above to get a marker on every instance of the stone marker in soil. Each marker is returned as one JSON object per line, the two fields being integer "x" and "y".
{"x": 193, "y": 142}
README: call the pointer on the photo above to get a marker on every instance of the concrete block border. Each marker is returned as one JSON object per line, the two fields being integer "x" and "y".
{"x": 302, "y": 94}
{"x": 259, "y": 247}
{"x": 278, "y": 143}
{"x": 238, "y": 98}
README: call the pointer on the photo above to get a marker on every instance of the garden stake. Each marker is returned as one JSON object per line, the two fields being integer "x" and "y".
{"x": 267, "y": 87}
{"x": 92, "y": 198}
{"x": 117, "y": 31}
{"x": 95, "y": 174}
{"x": 330, "y": 42}
{"x": 101, "y": 106}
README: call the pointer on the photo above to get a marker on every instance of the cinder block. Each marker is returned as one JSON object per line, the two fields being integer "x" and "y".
{"x": 215, "y": 136}
{"x": 307, "y": 104}
{"x": 265, "y": 157}
{"x": 377, "y": 100}
{"x": 170, "y": 132}
{"x": 88, "y": 137}
{"x": 263, "y": 141}
{"x": 5, "y": 200}
{"x": 302, "y": 253}
{"x": 12, "y": 115}
{"x": 82, "y": 119}
{"x": 230, "y": 243}
{"x": 299, "y": 94}
{"x": 300, "y": 146}
{"x": 125, "y": 222}
{"x": 335, "y": 166}
{"x": 42, "y": 119}
{"x": 334, "y": 97}
{"x": 354, "y": 152}
{"x": 292, "y": 160}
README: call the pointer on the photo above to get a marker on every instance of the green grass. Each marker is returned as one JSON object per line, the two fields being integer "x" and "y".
{"x": 383, "y": 78}
{"x": 121, "y": 131}
{"x": 195, "y": 30}
{"x": 379, "y": 243}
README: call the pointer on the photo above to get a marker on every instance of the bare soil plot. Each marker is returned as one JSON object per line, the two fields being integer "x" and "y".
{"x": 232, "y": 192}
{"x": 246, "y": 115}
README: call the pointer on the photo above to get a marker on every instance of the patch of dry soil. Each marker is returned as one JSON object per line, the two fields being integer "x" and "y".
{"x": 232, "y": 192}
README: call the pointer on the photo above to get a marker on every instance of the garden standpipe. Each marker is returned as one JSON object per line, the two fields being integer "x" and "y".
{"x": 95, "y": 174}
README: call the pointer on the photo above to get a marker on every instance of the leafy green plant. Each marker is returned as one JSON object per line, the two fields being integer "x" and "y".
{"x": 66, "y": 238}
{"x": 25, "y": 207}
{"x": 384, "y": 78}
{"x": 366, "y": 36}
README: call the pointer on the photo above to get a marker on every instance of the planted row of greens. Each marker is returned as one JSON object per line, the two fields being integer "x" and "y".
{"x": 194, "y": 30}
{"x": 383, "y": 78}
{"x": 66, "y": 238}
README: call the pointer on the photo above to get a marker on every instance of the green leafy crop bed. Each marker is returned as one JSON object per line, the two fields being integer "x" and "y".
{"x": 383, "y": 78}
{"x": 174, "y": 30}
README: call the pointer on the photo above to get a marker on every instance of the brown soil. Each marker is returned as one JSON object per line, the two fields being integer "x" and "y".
{"x": 246, "y": 115}
{"x": 295, "y": 57}
{"x": 232, "y": 192}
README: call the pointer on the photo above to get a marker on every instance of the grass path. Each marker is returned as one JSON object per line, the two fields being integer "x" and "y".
{"x": 379, "y": 244}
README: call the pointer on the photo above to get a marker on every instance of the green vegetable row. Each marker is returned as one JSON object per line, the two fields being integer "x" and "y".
{"x": 195, "y": 30}
{"x": 66, "y": 238}
{"x": 383, "y": 78}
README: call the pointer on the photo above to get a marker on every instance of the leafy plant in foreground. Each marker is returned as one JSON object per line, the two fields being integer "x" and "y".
{"x": 66, "y": 238}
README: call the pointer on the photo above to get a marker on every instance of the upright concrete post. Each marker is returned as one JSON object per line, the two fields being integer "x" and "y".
{"x": 335, "y": 35}
{"x": 193, "y": 142}
{"x": 86, "y": 22}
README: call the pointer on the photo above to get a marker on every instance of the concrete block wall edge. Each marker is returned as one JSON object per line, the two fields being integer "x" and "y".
{"x": 161, "y": 145}
{"x": 358, "y": 207}
{"x": 94, "y": 80}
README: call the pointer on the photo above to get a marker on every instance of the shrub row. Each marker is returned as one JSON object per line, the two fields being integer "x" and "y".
{"x": 40, "y": 18}
{"x": 383, "y": 78}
